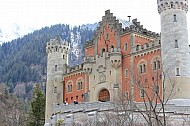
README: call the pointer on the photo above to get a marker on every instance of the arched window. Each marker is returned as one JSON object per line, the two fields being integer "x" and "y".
{"x": 69, "y": 88}
{"x": 156, "y": 65}
{"x": 142, "y": 64}
{"x": 103, "y": 50}
{"x": 137, "y": 48}
{"x": 79, "y": 85}
{"x": 112, "y": 48}
{"x": 142, "y": 68}
{"x": 172, "y": 5}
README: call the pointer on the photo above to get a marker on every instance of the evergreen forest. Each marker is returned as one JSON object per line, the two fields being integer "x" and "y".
{"x": 23, "y": 60}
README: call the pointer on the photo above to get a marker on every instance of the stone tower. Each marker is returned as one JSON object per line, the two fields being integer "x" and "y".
{"x": 175, "y": 46}
{"x": 57, "y": 61}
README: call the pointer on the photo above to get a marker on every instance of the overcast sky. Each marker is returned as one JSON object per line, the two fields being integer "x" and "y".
{"x": 38, "y": 13}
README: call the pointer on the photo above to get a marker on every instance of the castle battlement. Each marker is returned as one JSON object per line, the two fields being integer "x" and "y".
{"x": 57, "y": 45}
{"x": 172, "y": 4}
{"x": 147, "y": 46}
{"x": 121, "y": 47}
{"x": 89, "y": 43}
{"x": 113, "y": 22}
{"x": 137, "y": 27}
{"x": 75, "y": 68}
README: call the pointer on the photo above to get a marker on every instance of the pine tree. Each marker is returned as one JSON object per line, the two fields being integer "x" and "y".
{"x": 38, "y": 107}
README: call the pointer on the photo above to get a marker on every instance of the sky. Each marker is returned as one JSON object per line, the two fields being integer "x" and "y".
{"x": 40, "y": 13}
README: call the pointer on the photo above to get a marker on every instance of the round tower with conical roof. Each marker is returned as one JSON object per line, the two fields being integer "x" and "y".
{"x": 57, "y": 62}
{"x": 175, "y": 46}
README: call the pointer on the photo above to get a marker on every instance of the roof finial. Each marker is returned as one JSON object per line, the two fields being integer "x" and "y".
{"x": 129, "y": 18}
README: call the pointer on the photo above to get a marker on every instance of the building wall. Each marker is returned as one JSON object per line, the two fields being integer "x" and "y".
{"x": 126, "y": 60}
{"x": 77, "y": 92}
{"x": 175, "y": 45}
{"x": 57, "y": 51}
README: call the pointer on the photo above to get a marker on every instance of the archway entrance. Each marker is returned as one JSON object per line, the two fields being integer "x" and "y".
{"x": 104, "y": 95}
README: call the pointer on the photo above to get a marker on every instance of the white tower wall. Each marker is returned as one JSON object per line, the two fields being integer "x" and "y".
{"x": 175, "y": 46}
{"x": 57, "y": 59}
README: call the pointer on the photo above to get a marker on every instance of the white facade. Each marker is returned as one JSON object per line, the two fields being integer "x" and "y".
{"x": 175, "y": 46}
{"x": 57, "y": 61}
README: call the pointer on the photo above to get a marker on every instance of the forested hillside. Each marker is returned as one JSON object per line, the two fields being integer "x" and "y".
{"x": 24, "y": 60}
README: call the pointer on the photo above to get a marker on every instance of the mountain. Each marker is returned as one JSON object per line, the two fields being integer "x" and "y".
{"x": 9, "y": 32}
{"x": 23, "y": 60}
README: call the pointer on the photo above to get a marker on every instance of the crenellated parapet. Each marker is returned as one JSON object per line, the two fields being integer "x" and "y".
{"x": 172, "y": 4}
{"x": 88, "y": 64}
{"x": 138, "y": 28}
{"x": 115, "y": 57}
{"x": 89, "y": 44}
{"x": 113, "y": 23}
{"x": 57, "y": 45}
{"x": 147, "y": 46}
{"x": 75, "y": 68}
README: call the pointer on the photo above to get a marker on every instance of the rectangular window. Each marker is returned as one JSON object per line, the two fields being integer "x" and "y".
{"x": 175, "y": 18}
{"x": 141, "y": 69}
{"x": 177, "y": 72}
{"x": 176, "y": 44}
{"x": 69, "y": 87}
{"x": 126, "y": 47}
{"x": 55, "y": 67}
{"x": 107, "y": 36}
{"x": 142, "y": 93}
{"x": 63, "y": 56}
{"x": 79, "y": 86}
{"x": 158, "y": 64}
{"x": 55, "y": 89}
{"x": 126, "y": 73}
{"x": 154, "y": 65}
{"x": 144, "y": 68}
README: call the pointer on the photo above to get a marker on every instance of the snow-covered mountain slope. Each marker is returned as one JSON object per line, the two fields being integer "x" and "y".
{"x": 9, "y": 32}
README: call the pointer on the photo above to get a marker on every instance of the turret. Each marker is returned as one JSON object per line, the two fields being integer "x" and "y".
{"x": 115, "y": 57}
{"x": 175, "y": 46}
{"x": 57, "y": 62}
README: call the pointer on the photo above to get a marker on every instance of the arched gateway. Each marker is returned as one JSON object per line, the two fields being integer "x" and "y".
{"x": 104, "y": 95}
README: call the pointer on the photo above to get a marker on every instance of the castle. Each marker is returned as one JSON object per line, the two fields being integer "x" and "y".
{"x": 123, "y": 60}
